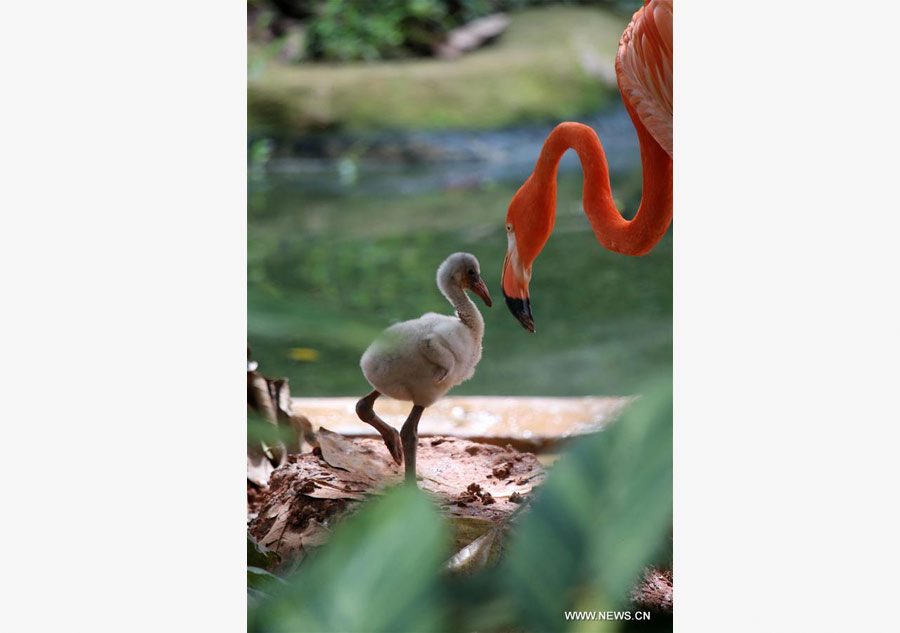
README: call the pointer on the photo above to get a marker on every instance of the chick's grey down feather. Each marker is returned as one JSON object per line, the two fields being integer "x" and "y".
{"x": 422, "y": 359}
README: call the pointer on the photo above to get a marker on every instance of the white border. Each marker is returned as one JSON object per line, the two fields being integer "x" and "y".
{"x": 123, "y": 251}
{"x": 786, "y": 316}
{"x": 124, "y": 319}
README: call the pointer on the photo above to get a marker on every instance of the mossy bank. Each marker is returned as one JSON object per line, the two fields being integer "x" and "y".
{"x": 552, "y": 63}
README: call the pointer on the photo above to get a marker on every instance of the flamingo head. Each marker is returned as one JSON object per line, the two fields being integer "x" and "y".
{"x": 529, "y": 222}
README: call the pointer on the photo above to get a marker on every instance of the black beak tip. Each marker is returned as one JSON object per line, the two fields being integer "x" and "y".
{"x": 521, "y": 309}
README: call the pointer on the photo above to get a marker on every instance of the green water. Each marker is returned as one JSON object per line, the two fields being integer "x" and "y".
{"x": 329, "y": 269}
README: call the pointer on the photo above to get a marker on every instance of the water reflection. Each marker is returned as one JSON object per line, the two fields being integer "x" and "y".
{"x": 340, "y": 247}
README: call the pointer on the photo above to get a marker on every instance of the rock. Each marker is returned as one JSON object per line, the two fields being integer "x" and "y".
{"x": 472, "y": 35}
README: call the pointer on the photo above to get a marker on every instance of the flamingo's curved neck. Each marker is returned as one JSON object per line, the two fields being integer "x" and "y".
{"x": 629, "y": 237}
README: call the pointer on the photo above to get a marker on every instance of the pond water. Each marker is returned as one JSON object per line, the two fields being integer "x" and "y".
{"x": 339, "y": 249}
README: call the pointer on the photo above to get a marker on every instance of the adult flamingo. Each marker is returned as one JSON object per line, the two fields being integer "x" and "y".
{"x": 644, "y": 75}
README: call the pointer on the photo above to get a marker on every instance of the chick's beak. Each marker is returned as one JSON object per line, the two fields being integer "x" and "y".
{"x": 480, "y": 288}
{"x": 516, "y": 294}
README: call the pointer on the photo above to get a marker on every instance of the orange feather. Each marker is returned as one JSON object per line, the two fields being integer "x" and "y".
{"x": 644, "y": 74}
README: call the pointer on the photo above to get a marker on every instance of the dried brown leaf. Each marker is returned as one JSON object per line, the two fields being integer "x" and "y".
{"x": 323, "y": 489}
{"x": 356, "y": 457}
{"x": 259, "y": 467}
{"x": 478, "y": 554}
{"x": 259, "y": 399}
{"x": 271, "y": 400}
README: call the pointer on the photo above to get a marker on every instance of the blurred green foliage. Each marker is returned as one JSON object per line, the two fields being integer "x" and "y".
{"x": 552, "y": 63}
{"x": 378, "y": 574}
{"x": 348, "y": 30}
{"x": 602, "y": 515}
{"x": 261, "y": 431}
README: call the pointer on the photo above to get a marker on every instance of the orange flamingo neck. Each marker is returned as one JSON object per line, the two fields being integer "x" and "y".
{"x": 629, "y": 237}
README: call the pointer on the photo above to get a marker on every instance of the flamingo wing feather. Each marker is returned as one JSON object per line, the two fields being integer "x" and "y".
{"x": 644, "y": 69}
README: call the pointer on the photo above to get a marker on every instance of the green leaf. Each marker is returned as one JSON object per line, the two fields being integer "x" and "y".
{"x": 379, "y": 573}
{"x": 261, "y": 430}
{"x": 602, "y": 514}
{"x": 261, "y": 580}
{"x": 259, "y": 556}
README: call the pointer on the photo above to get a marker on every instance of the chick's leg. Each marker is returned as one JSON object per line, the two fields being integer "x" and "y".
{"x": 367, "y": 414}
{"x": 410, "y": 437}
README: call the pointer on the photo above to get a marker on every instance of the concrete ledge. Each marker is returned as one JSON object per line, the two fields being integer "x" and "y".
{"x": 532, "y": 422}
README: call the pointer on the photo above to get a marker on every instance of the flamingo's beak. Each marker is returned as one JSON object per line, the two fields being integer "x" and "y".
{"x": 515, "y": 291}
{"x": 480, "y": 288}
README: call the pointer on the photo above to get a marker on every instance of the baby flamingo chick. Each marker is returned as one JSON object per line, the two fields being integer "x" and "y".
{"x": 422, "y": 359}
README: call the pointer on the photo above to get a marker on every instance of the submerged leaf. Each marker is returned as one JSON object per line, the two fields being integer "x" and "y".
{"x": 304, "y": 354}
